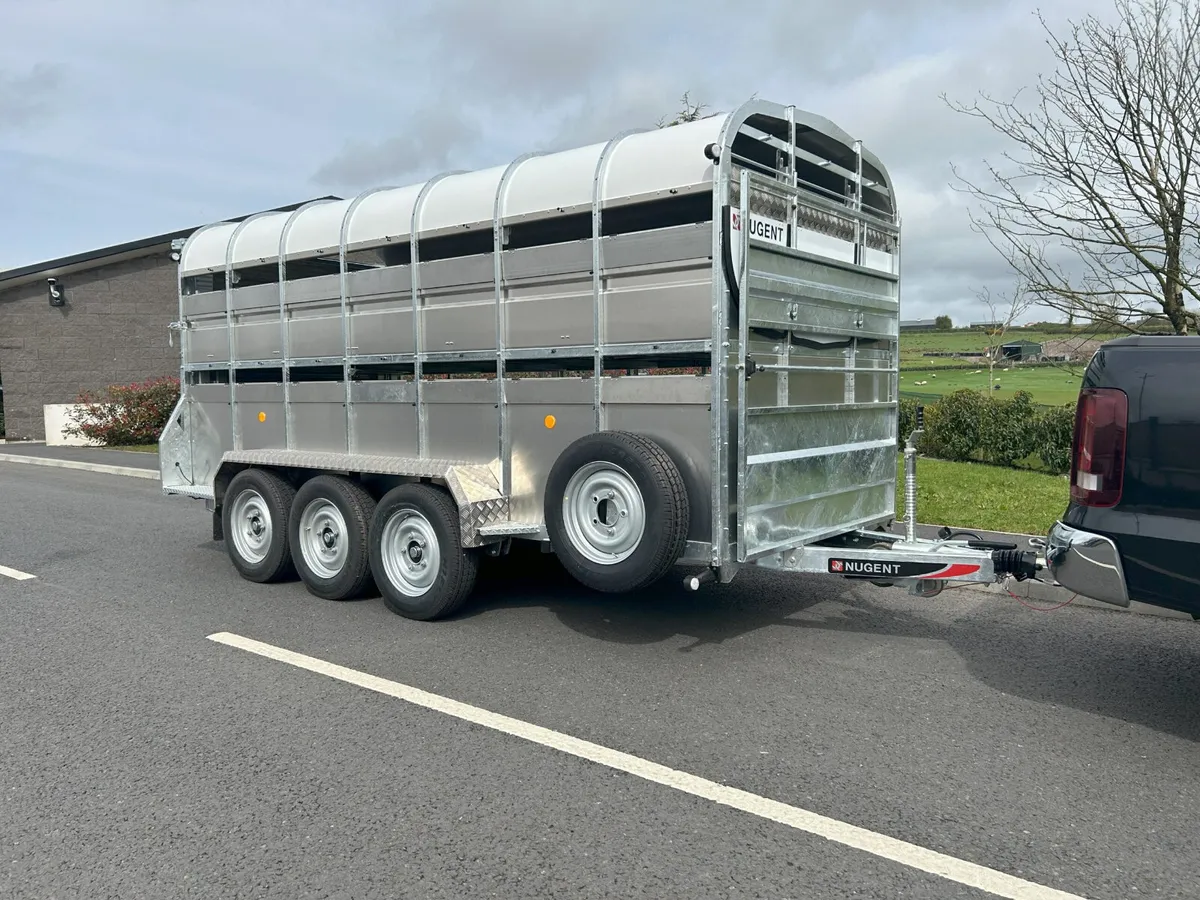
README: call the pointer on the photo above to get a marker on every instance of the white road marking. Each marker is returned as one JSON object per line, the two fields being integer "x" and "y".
{"x": 902, "y": 852}
{"x": 13, "y": 573}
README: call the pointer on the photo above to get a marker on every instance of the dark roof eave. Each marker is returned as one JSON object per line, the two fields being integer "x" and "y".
{"x": 13, "y": 277}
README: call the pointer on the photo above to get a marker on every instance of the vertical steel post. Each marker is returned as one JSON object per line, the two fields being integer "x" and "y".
{"x": 599, "y": 319}
{"x": 498, "y": 242}
{"x": 418, "y": 320}
{"x": 285, "y": 356}
{"x": 743, "y": 348}
{"x": 235, "y": 422}
{"x": 344, "y": 304}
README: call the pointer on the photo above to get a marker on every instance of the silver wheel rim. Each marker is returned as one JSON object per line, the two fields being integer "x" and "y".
{"x": 604, "y": 513}
{"x": 410, "y": 553}
{"x": 323, "y": 538}
{"x": 250, "y": 526}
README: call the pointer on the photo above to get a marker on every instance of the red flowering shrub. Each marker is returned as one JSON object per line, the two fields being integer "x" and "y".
{"x": 125, "y": 414}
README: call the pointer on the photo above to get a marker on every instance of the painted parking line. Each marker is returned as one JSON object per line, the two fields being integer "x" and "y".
{"x": 15, "y": 574}
{"x": 913, "y": 856}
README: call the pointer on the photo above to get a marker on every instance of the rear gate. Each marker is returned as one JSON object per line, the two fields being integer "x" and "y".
{"x": 817, "y": 408}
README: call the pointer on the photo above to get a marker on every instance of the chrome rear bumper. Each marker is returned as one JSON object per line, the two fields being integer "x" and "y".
{"x": 1086, "y": 563}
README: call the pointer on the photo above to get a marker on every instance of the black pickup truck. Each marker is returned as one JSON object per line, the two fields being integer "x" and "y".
{"x": 1131, "y": 531}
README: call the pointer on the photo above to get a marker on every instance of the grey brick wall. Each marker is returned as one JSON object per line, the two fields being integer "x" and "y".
{"x": 112, "y": 330}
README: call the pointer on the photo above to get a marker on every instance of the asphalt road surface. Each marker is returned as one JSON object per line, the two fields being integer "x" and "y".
{"x": 140, "y": 758}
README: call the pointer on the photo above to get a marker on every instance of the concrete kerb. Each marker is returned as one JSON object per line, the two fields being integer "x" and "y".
{"x": 100, "y": 468}
{"x": 1033, "y": 592}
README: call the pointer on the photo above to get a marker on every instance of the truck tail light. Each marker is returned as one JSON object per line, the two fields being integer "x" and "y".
{"x": 1098, "y": 460}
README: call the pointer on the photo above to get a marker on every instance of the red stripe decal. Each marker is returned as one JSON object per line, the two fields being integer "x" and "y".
{"x": 953, "y": 570}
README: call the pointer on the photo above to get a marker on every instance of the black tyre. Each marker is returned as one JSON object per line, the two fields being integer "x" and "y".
{"x": 616, "y": 511}
{"x": 255, "y": 512}
{"x": 420, "y": 566}
{"x": 329, "y": 533}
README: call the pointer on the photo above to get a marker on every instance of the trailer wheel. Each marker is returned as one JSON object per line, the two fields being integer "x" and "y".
{"x": 330, "y": 523}
{"x": 254, "y": 518}
{"x": 616, "y": 511}
{"x": 420, "y": 566}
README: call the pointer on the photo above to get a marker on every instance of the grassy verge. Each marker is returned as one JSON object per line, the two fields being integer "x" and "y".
{"x": 973, "y": 495}
{"x": 137, "y": 448}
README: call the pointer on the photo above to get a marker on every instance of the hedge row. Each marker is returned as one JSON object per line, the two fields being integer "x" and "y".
{"x": 970, "y": 426}
{"x": 125, "y": 414}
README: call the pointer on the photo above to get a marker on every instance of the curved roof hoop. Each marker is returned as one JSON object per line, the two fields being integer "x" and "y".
{"x": 235, "y": 424}
{"x": 598, "y": 319}
{"x": 498, "y": 243}
{"x": 417, "y": 323}
{"x": 284, "y": 349}
{"x": 501, "y": 319}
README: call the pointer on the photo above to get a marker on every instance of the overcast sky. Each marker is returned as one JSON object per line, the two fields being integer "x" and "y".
{"x": 127, "y": 118}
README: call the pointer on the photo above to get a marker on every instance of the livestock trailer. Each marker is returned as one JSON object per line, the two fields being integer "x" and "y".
{"x": 678, "y": 347}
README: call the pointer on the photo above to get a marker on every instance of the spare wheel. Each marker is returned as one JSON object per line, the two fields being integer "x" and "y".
{"x": 616, "y": 511}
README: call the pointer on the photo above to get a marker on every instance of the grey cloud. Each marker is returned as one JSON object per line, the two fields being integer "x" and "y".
{"x": 436, "y": 137}
{"x": 26, "y": 97}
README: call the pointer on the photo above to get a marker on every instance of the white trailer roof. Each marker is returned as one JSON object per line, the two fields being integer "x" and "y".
{"x": 633, "y": 167}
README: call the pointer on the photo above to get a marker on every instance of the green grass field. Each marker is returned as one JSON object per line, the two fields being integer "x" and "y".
{"x": 972, "y": 495}
{"x": 1051, "y": 386}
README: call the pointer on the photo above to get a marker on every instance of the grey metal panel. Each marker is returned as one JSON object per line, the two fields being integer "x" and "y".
{"x": 208, "y": 342}
{"x": 544, "y": 318}
{"x": 466, "y": 430}
{"x": 266, "y": 400}
{"x": 207, "y": 303}
{"x": 307, "y": 290}
{"x": 460, "y": 390}
{"x": 555, "y": 259}
{"x": 468, "y": 326}
{"x": 659, "y": 306}
{"x": 390, "y": 280}
{"x": 257, "y": 336}
{"x": 256, "y": 296}
{"x": 659, "y": 246}
{"x": 663, "y": 389}
{"x": 315, "y": 330}
{"x": 213, "y": 422}
{"x": 381, "y": 326}
{"x": 385, "y": 428}
{"x": 383, "y": 392}
{"x": 685, "y": 432}
{"x": 460, "y": 270}
{"x": 318, "y": 417}
{"x": 801, "y": 430}
{"x": 317, "y": 392}
{"x": 549, "y": 390}
{"x": 535, "y": 448}
{"x": 261, "y": 393}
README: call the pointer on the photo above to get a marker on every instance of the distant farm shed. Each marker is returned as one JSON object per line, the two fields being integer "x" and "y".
{"x": 1020, "y": 351}
{"x": 108, "y": 325}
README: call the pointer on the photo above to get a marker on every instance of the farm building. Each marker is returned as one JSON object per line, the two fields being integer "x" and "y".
{"x": 1021, "y": 351}
{"x": 918, "y": 324}
{"x": 85, "y": 321}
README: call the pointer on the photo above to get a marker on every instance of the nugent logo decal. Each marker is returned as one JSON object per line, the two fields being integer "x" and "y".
{"x": 871, "y": 568}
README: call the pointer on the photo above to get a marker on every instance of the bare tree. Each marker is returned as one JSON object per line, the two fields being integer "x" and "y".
{"x": 1003, "y": 312}
{"x": 1096, "y": 206}
{"x": 689, "y": 112}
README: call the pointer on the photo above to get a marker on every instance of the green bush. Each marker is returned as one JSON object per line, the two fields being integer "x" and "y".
{"x": 953, "y": 425}
{"x": 969, "y": 426}
{"x": 125, "y": 414}
{"x": 1053, "y": 430}
{"x": 1006, "y": 432}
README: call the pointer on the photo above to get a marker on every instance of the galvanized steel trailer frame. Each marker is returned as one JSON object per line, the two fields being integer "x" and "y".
{"x": 759, "y": 290}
